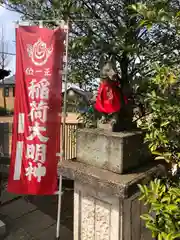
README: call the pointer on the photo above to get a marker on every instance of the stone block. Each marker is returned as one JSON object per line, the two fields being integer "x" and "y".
{"x": 113, "y": 184}
{"x": 116, "y": 152}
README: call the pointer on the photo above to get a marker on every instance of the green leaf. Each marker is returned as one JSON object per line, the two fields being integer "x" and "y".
{"x": 178, "y": 14}
{"x": 164, "y": 235}
{"x": 153, "y": 186}
{"x": 157, "y": 206}
{"x": 159, "y": 158}
{"x": 165, "y": 18}
{"x": 141, "y": 188}
{"x": 134, "y": 7}
{"x": 172, "y": 78}
{"x": 157, "y": 153}
{"x": 164, "y": 124}
{"x": 175, "y": 191}
{"x": 169, "y": 237}
{"x": 177, "y": 201}
{"x": 172, "y": 207}
{"x": 176, "y": 235}
{"x": 152, "y": 227}
{"x": 166, "y": 199}
{"x": 160, "y": 236}
{"x": 142, "y": 197}
{"x": 143, "y": 23}
{"x": 149, "y": 26}
{"x": 147, "y": 217}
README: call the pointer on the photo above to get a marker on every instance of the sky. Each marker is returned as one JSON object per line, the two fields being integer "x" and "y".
{"x": 7, "y": 19}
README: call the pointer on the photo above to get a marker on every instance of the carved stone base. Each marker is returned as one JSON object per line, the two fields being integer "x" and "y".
{"x": 102, "y": 217}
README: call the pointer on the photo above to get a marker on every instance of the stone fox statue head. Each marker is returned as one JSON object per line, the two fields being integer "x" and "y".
{"x": 109, "y": 70}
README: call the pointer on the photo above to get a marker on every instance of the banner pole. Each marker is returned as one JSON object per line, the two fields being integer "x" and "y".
{"x": 63, "y": 132}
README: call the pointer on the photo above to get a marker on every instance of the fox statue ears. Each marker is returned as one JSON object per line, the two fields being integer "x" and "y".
{"x": 108, "y": 67}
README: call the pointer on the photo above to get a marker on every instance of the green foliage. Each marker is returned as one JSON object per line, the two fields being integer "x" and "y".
{"x": 163, "y": 123}
{"x": 162, "y": 97}
{"x": 163, "y": 218}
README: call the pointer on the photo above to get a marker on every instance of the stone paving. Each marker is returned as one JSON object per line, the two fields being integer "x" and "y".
{"x": 34, "y": 218}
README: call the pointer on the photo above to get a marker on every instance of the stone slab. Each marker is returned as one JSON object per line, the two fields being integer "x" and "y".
{"x": 17, "y": 208}
{"x": 8, "y": 197}
{"x": 18, "y": 234}
{"x": 35, "y": 222}
{"x": 116, "y": 152}
{"x": 50, "y": 233}
{"x": 113, "y": 184}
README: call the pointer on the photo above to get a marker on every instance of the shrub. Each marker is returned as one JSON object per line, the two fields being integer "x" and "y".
{"x": 162, "y": 134}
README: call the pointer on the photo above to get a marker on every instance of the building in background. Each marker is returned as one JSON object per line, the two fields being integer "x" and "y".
{"x": 7, "y": 90}
{"x": 77, "y": 98}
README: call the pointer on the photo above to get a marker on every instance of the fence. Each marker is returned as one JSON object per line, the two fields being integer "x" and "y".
{"x": 70, "y": 139}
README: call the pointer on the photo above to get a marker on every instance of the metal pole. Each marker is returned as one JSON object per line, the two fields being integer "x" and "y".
{"x": 63, "y": 134}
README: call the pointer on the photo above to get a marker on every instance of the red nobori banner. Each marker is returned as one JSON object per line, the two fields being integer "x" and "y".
{"x": 39, "y": 62}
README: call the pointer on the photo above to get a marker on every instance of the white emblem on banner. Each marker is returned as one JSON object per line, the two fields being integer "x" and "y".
{"x": 39, "y": 53}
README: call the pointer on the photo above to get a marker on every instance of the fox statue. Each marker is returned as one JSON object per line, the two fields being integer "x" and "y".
{"x": 111, "y": 101}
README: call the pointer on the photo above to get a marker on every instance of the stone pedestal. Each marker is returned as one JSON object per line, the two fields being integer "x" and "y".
{"x": 106, "y": 205}
{"x": 106, "y": 173}
{"x": 116, "y": 152}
